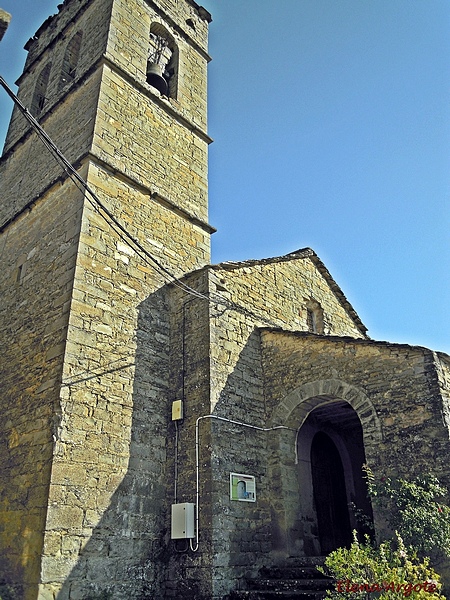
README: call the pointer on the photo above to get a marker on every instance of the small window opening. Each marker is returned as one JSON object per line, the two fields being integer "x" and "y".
{"x": 311, "y": 320}
{"x": 19, "y": 274}
{"x": 38, "y": 102}
{"x": 314, "y": 317}
{"x": 70, "y": 61}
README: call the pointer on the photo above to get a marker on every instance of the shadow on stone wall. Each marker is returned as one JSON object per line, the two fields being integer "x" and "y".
{"x": 125, "y": 556}
{"x": 129, "y": 554}
{"x": 241, "y": 530}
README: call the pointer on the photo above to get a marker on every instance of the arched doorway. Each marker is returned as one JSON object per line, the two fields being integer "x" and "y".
{"x": 330, "y": 496}
{"x": 346, "y": 414}
{"x": 331, "y": 484}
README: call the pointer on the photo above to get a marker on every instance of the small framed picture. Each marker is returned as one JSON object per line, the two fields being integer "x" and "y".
{"x": 242, "y": 487}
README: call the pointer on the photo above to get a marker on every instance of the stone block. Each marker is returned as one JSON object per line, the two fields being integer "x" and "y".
{"x": 64, "y": 517}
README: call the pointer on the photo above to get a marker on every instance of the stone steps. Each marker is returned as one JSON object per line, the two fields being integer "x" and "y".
{"x": 298, "y": 578}
{"x": 289, "y": 584}
{"x": 272, "y": 595}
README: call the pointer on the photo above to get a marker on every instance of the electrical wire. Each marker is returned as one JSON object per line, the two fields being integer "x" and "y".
{"x": 193, "y": 547}
{"x": 113, "y": 222}
{"x": 94, "y": 199}
{"x": 148, "y": 258}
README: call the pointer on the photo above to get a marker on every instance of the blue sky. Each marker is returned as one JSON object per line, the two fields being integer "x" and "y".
{"x": 331, "y": 123}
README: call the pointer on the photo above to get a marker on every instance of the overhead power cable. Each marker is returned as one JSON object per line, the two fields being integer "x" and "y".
{"x": 94, "y": 199}
{"x": 113, "y": 222}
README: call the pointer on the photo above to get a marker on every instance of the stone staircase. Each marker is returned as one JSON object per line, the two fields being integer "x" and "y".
{"x": 297, "y": 578}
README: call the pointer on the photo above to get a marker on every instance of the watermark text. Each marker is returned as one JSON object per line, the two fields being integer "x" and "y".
{"x": 406, "y": 589}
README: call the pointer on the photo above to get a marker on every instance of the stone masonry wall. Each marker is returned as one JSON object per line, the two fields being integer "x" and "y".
{"x": 123, "y": 39}
{"x": 18, "y": 192}
{"x": 38, "y": 263}
{"x": 234, "y": 537}
{"x": 170, "y": 134}
{"x": 442, "y": 362}
{"x": 106, "y": 521}
{"x": 49, "y": 45}
{"x": 399, "y": 382}
{"x": 273, "y": 292}
{"x": 108, "y": 487}
{"x": 130, "y": 26}
{"x": 143, "y": 141}
{"x": 190, "y": 574}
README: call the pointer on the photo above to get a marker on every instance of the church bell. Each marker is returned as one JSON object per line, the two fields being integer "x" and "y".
{"x": 155, "y": 78}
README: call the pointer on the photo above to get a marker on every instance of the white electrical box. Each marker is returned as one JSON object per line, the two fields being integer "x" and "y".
{"x": 182, "y": 521}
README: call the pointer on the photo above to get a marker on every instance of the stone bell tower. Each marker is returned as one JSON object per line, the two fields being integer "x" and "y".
{"x": 120, "y": 87}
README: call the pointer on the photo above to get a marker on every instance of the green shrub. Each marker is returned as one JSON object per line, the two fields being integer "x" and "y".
{"x": 388, "y": 572}
{"x": 416, "y": 509}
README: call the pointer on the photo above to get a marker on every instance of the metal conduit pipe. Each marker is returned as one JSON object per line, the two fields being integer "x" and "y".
{"x": 193, "y": 547}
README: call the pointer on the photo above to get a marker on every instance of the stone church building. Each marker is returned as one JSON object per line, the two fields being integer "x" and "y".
{"x": 169, "y": 426}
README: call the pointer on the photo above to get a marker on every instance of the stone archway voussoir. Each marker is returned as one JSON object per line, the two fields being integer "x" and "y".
{"x": 311, "y": 394}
